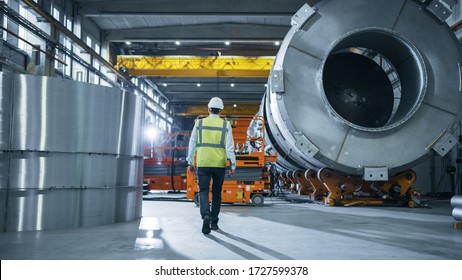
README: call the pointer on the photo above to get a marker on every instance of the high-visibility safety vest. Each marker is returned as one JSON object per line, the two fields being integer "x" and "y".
{"x": 211, "y": 142}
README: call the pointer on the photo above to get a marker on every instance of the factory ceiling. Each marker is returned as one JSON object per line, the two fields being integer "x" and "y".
{"x": 196, "y": 28}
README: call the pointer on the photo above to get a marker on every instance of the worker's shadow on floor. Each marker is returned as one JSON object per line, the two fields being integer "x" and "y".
{"x": 245, "y": 254}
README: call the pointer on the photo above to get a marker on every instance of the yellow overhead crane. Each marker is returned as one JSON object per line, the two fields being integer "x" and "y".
{"x": 191, "y": 66}
{"x": 242, "y": 109}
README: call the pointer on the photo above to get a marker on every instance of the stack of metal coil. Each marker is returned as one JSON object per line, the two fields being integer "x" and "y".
{"x": 71, "y": 154}
{"x": 456, "y": 202}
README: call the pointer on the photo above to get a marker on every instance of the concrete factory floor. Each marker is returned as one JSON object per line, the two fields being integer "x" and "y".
{"x": 278, "y": 230}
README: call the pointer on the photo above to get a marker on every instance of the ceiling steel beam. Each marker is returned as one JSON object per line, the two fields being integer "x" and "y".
{"x": 221, "y": 82}
{"x": 253, "y": 8}
{"x": 201, "y": 32}
{"x": 215, "y": 88}
{"x": 201, "y": 98}
{"x": 198, "y": 52}
{"x": 206, "y": 81}
{"x": 193, "y": 94}
{"x": 228, "y": 110}
{"x": 185, "y": 66}
{"x": 224, "y": 95}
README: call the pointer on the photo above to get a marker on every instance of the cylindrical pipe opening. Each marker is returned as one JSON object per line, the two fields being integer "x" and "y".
{"x": 374, "y": 80}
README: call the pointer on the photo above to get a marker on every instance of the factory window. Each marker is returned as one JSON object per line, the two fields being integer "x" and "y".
{"x": 77, "y": 29}
{"x": 88, "y": 41}
{"x": 68, "y": 23}
{"x": 22, "y": 31}
{"x": 21, "y": 34}
{"x": 26, "y": 35}
{"x": 79, "y": 76}
{"x": 67, "y": 44}
{"x": 57, "y": 63}
{"x": 97, "y": 66}
{"x": 56, "y": 13}
{"x": 60, "y": 54}
{"x": 5, "y": 24}
{"x": 97, "y": 49}
{"x": 150, "y": 92}
{"x": 68, "y": 68}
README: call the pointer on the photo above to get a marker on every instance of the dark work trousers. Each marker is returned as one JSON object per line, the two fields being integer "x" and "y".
{"x": 204, "y": 174}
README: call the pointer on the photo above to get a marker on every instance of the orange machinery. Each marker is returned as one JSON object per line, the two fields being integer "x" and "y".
{"x": 337, "y": 189}
{"x": 165, "y": 166}
{"x": 251, "y": 180}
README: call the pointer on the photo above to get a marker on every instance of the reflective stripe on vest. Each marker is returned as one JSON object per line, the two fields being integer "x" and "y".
{"x": 211, "y": 148}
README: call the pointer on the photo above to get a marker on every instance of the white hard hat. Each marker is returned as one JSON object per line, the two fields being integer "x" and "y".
{"x": 216, "y": 102}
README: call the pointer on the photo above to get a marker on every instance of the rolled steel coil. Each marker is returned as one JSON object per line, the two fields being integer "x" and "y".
{"x": 71, "y": 154}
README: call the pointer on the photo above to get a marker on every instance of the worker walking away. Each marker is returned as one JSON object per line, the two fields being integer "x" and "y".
{"x": 212, "y": 143}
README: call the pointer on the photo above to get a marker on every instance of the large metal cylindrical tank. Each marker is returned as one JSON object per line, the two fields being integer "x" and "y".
{"x": 71, "y": 154}
{"x": 364, "y": 85}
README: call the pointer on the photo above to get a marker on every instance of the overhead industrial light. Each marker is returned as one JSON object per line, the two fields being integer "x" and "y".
{"x": 128, "y": 43}
{"x": 227, "y": 43}
{"x": 164, "y": 84}
{"x": 235, "y": 105}
{"x": 177, "y": 43}
{"x": 198, "y": 84}
{"x": 266, "y": 85}
{"x": 232, "y": 85}
{"x": 277, "y": 43}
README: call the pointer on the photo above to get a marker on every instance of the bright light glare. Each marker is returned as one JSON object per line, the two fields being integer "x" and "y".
{"x": 152, "y": 133}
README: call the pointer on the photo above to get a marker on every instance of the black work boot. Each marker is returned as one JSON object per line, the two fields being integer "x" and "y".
{"x": 206, "y": 224}
{"x": 214, "y": 224}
